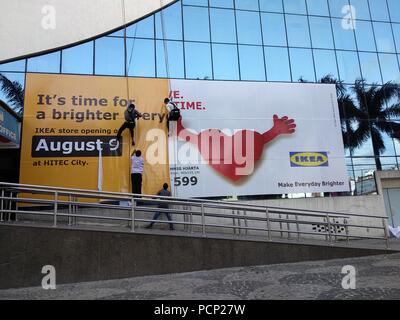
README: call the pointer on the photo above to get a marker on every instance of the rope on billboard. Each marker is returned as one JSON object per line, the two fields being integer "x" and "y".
{"x": 167, "y": 69}
{"x": 127, "y": 66}
{"x": 166, "y": 60}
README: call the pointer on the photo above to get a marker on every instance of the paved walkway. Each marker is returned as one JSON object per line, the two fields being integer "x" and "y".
{"x": 377, "y": 277}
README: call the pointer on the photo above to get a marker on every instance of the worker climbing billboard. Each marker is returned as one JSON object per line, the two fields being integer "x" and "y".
{"x": 234, "y": 138}
{"x": 70, "y": 128}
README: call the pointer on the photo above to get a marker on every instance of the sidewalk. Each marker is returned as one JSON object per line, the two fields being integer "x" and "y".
{"x": 377, "y": 277}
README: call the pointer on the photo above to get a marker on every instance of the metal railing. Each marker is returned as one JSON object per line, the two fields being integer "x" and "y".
{"x": 72, "y": 207}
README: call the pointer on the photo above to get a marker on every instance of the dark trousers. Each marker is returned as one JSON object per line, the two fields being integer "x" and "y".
{"x": 129, "y": 125}
{"x": 136, "y": 179}
{"x": 157, "y": 215}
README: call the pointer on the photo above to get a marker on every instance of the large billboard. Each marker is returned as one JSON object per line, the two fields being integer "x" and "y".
{"x": 249, "y": 138}
{"x": 234, "y": 138}
{"x": 70, "y": 127}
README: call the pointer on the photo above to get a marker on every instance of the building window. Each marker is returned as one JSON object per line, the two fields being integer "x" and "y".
{"x": 142, "y": 29}
{"x": 248, "y": 26}
{"x": 379, "y": 10}
{"x": 14, "y": 66}
{"x": 169, "y": 23}
{"x": 140, "y": 57}
{"x": 318, "y": 7}
{"x": 365, "y": 36}
{"x": 301, "y": 61}
{"x": 223, "y": 28}
{"x": 362, "y": 9}
{"x": 198, "y": 60}
{"x": 110, "y": 56}
{"x": 196, "y": 25}
{"x": 271, "y": 6}
{"x": 295, "y": 6}
{"x": 225, "y": 61}
{"x": 298, "y": 31}
{"x": 321, "y": 33}
{"x": 370, "y": 67}
{"x": 247, "y": 4}
{"x": 78, "y": 59}
{"x": 384, "y": 37}
{"x": 251, "y": 63}
{"x": 277, "y": 64}
{"x": 349, "y": 68}
{"x": 389, "y": 67}
{"x": 49, "y": 63}
{"x": 273, "y": 27}
{"x": 344, "y": 38}
{"x": 175, "y": 65}
{"x": 325, "y": 63}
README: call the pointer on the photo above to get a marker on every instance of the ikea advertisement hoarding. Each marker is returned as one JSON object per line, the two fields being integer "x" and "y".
{"x": 233, "y": 138}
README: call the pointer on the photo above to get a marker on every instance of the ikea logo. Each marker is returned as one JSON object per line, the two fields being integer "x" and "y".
{"x": 309, "y": 159}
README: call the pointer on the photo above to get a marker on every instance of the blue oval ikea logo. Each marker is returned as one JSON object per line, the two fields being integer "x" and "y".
{"x": 309, "y": 159}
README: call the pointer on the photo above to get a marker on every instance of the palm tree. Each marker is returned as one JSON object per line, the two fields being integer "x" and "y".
{"x": 379, "y": 105}
{"x": 14, "y": 92}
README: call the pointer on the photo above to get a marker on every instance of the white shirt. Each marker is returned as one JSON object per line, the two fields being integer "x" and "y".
{"x": 169, "y": 106}
{"x": 137, "y": 164}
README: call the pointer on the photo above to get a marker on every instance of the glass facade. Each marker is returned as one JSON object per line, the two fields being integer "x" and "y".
{"x": 258, "y": 40}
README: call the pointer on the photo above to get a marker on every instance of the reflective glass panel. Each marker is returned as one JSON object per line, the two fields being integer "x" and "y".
{"x": 370, "y": 67}
{"x": 46, "y": 63}
{"x": 384, "y": 37}
{"x": 198, "y": 60}
{"x": 274, "y": 32}
{"x": 298, "y": 32}
{"x": 349, "y": 69}
{"x": 174, "y": 51}
{"x": 110, "y": 56}
{"x": 78, "y": 59}
{"x": 140, "y": 57}
{"x": 325, "y": 63}
{"x": 223, "y": 25}
{"x": 389, "y": 67}
{"x": 321, "y": 33}
{"x": 225, "y": 62}
{"x": 196, "y": 25}
{"x": 277, "y": 63}
{"x": 301, "y": 61}
{"x": 248, "y": 25}
{"x": 251, "y": 63}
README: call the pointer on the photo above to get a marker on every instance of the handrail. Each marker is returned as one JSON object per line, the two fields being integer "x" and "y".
{"x": 262, "y": 217}
{"x": 192, "y": 201}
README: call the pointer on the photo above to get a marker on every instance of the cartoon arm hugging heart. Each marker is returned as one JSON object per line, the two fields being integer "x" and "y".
{"x": 235, "y": 156}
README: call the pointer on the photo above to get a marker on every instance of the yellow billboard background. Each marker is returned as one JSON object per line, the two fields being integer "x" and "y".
{"x": 42, "y": 101}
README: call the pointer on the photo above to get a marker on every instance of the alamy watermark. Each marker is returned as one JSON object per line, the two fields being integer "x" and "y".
{"x": 349, "y": 17}
{"x": 49, "y": 17}
{"x": 49, "y": 280}
{"x": 349, "y": 280}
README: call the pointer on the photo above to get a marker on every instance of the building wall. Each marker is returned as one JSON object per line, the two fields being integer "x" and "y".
{"x": 257, "y": 40}
{"x": 388, "y": 179}
{"x": 79, "y": 255}
{"x": 58, "y": 23}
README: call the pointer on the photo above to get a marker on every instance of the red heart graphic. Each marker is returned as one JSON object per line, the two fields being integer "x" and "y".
{"x": 235, "y": 156}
